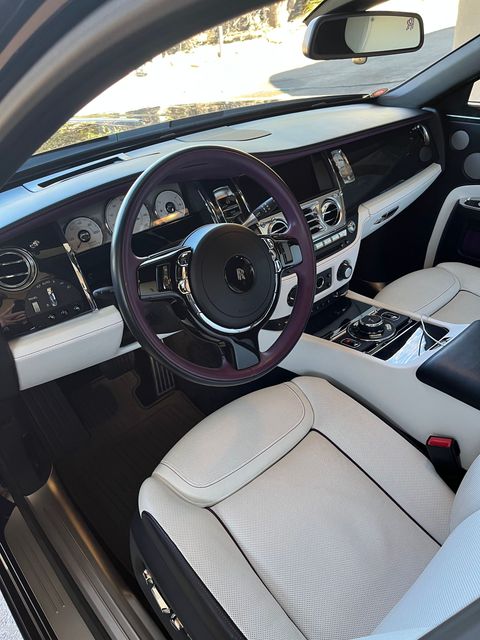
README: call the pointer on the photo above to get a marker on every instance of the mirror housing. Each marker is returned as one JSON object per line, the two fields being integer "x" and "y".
{"x": 362, "y": 35}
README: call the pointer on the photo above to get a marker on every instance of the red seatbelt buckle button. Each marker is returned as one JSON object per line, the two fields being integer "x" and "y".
{"x": 444, "y": 454}
{"x": 437, "y": 441}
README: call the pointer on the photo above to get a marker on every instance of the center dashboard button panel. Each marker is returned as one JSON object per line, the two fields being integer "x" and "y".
{"x": 40, "y": 283}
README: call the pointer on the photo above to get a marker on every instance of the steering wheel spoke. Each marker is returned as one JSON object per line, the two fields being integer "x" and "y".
{"x": 285, "y": 251}
{"x": 171, "y": 275}
{"x": 242, "y": 351}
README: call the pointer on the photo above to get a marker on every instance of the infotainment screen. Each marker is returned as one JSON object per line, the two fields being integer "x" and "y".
{"x": 307, "y": 177}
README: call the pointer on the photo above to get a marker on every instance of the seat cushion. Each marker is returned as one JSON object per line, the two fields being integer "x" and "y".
{"x": 335, "y": 551}
{"x": 449, "y": 292}
{"x": 326, "y": 518}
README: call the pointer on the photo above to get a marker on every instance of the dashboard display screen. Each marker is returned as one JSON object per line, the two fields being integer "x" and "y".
{"x": 307, "y": 177}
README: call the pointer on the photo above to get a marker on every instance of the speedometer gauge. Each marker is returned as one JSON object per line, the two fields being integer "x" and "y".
{"x": 83, "y": 233}
{"x": 111, "y": 212}
{"x": 169, "y": 205}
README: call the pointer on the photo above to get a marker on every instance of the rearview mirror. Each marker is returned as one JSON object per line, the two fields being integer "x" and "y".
{"x": 373, "y": 33}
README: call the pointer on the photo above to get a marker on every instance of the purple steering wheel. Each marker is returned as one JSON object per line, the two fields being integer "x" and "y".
{"x": 225, "y": 278}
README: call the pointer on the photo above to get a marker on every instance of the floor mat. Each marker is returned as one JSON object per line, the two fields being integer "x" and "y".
{"x": 126, "y": 443}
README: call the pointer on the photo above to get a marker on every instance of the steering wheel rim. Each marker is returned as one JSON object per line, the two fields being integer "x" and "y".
{"x": 125, "y": 264}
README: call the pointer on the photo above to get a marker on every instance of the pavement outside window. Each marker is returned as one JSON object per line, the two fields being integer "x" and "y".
{"x": 8, "y": 627}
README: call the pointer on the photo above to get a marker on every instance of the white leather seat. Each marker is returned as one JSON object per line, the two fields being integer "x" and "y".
{"x": 306, "y": 517}
{"x": 448, "y": 292}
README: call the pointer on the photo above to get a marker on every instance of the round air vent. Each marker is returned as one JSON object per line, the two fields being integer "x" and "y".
{"x": 277, "y": 226}
{"x": 330, "y": 212}
{"x": 17, "y": 269}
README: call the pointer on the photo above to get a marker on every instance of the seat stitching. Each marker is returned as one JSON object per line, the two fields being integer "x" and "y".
{"x": 247, "y": 462}
{"x": 461, "y": 290}
{"x": 247, "y": 559}
{"x": 473, "y": 293}
{"x": 357, "y": 464}
{"x": 459, "y": 278}
{"x": 219, "y": 609}
{"x": 456, "y": 281}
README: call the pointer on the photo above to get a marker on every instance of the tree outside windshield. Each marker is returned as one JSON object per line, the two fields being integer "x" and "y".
{"x": 257, "y": 58}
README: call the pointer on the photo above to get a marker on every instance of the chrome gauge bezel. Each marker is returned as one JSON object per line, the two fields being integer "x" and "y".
{"x": 85, "y": 246}
{"x": 110, "y": 227}
{"x": 159, "y": 217}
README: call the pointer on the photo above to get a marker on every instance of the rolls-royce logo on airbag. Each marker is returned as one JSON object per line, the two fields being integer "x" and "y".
{"x": 239, "y": 274}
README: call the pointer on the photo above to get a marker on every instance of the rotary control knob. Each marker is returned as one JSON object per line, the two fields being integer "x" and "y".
{"x": 344, "y": 271}
{"x": 372, "y": 328}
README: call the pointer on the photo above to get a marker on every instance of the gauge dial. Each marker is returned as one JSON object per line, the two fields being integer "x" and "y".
{"x": 111, "y": 212}
{"x": 169, "y": 205}
{"x": 83, "y": 233}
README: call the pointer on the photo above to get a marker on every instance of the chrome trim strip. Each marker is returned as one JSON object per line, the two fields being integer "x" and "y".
{"x": 81, "y": 278}
{"x": 209, "y": 205}
{"x": 461, "y": 117}
{"x": 463, "y": 203}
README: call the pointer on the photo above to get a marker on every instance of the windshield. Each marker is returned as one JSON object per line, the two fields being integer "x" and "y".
{"x": 254, "y": 59}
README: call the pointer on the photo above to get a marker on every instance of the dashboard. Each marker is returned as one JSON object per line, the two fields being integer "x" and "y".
{"x": 55, "y": 256}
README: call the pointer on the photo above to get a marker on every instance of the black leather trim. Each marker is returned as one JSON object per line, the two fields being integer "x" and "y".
{"x": 397, "y": 504}
{"x": 455, "y": 368}
{"x": 8, "y": 372}
{"x": 201, "y": 614}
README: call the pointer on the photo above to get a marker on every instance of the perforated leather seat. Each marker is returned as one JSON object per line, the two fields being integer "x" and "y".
{"x": 448, "y": 292}
{"x": 296, "y": 514}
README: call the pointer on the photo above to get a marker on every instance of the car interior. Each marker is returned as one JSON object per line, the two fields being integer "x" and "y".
{"x": 241, "y": 360}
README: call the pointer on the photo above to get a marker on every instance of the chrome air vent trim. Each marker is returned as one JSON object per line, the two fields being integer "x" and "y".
{"x": 277, "y": 226}
{"x": 331, "y": 212}
{"x": 312, "y": 218}
{"x": 18, "y": 269}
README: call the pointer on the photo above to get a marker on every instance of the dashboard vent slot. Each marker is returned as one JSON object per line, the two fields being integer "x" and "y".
{"x": 70, "y": 173}
{"x": 331, "y": 212}
{"x": 18, "y": 269}
{"x": 311, "y": 216}
{"x": 228, "y": 203}
{"x": 277, "y": 226}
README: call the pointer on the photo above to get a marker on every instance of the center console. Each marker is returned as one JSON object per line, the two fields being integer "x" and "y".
{"x": 405, "y": 368}
{"x": 378, "y": 332}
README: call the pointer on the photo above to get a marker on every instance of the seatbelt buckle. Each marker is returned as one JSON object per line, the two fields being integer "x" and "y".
{"x": 444, "y": 454}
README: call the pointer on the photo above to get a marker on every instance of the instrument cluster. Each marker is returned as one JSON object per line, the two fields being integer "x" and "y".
{"x": 95, "y": 227}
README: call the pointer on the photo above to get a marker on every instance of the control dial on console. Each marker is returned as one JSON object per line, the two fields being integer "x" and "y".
{"x": 344, "y": 271}
{"x": 372, "y": 328}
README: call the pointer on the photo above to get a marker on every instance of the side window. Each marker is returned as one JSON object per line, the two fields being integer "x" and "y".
{"x": 474, "y": 99}
{"x": 468, "y": 20}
